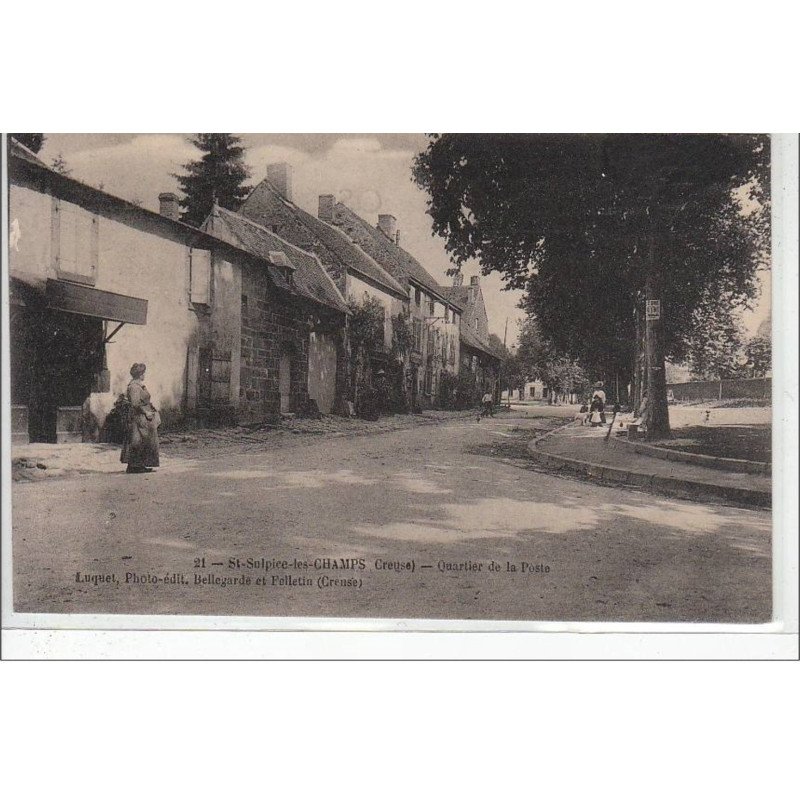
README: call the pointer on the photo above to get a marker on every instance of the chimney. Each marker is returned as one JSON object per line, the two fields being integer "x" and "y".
{"x": 168, "y": 205}
{"x": 397, "y": 238}
{"x": 326, "y": 204}
{"x": 280, "y": 177}
{"x": 388, "y": 224}
{"x": 474, "y": 282}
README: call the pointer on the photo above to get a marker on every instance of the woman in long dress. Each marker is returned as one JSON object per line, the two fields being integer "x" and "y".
{"x": 140, "y": 447}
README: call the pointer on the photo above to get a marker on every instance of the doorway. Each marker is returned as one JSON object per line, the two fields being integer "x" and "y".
{"x": 414, "y": 388}
{"x": 285, "y": 382}
{"x": 55, "y": 357}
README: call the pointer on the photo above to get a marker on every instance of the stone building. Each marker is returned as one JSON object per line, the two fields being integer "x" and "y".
{"x": 435, "y": 316}
{"x": 98, "y": 283}
{"x": 356, "y": 275}
{"x": 478, "y": 354}
{"x": 293, "y": 321}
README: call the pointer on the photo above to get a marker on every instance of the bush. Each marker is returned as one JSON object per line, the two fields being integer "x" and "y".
{"x": 458, "y": 391}
{"x": 116, "y": 421}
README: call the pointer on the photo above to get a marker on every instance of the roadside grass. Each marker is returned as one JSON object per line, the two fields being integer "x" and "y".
{"x": 749, "y": 442}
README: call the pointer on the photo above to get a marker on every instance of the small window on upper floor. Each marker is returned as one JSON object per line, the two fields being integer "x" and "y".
{"x": 446, "y": 314}
{"x": 200, "y": 276}
{"x": 432, "y": 308}
{"x": 417, "y": 296}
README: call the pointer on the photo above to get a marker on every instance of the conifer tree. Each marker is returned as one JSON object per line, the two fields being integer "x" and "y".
{"x": 33, "y": 141}
{"x": 218, "y": 176}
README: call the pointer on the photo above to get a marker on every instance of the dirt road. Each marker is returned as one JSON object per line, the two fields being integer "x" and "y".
{"x": 444, "y": 521}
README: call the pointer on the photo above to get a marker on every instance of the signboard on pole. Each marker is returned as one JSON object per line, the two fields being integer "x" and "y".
{"x": 653, "y": 309}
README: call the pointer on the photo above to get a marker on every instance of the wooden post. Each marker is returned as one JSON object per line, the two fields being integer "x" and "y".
{"x": 658, "y": 423}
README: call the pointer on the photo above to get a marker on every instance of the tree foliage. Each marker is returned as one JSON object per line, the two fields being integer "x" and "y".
{"x": 218, "y": 176}
{"x": 33, "y": 141}
{"x": 366, "y": 324}
{"x": 758, "y": 353}
{"x": 579, "y": 222}
{"x": 715, "y": 340}
{"x": 402, "y": 335}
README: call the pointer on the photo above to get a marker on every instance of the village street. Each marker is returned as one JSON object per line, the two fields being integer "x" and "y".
{"x": 418, "y": 515}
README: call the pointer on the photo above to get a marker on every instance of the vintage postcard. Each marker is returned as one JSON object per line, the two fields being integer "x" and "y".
{"x": 460, "y": 377}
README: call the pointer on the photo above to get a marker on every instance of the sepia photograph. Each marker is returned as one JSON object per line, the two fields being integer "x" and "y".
{"x": 482, "y": 377}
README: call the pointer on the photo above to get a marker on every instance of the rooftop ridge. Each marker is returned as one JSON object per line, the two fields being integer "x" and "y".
{"x": 304, "y": 217}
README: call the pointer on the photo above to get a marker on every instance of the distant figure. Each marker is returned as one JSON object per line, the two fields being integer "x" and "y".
{"x": 595, "y": 412}
{"x": 140, "y": 447}
{"x": 642, "y": 418}
{"x": 583, "y": 414}
{"x": 487, "y": 401}
{"x": 599, "y": 397}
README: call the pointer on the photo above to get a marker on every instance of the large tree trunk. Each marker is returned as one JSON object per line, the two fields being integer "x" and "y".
{"x": 638, "y": 355}
{"x": 658, "y": 423}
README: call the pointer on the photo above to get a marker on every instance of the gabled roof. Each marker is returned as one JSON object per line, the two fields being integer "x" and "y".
{"x": 243, "y": 239}
{"x": 460, "y": 294}
{"x": 309, "y": 277}
{"x": 401, "y": 264}
{"x": 332, "y": 245}
{"x": 469, "y": 338}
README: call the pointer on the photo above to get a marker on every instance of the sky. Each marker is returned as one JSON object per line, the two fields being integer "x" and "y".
{"x": 371, "y": 173}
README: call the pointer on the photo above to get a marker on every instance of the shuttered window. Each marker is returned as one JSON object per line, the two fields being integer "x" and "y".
{"x": 200, "y": 276}
{"x": 417, "y": 336}
{"x": 75, "y": 240}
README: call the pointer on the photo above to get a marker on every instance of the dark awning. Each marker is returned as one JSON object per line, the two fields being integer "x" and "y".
{"x": 76, "y": 299}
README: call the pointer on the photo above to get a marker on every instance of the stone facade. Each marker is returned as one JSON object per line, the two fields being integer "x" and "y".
{"x": 269, "y": 332}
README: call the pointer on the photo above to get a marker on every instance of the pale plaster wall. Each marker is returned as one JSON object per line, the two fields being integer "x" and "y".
{"x": 226, "y": 318}
{"x": 357, "y": 289}
{"x": 131, "y": 262}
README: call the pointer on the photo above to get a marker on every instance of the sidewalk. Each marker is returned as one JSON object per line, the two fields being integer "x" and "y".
{"x": 585, "y": 450}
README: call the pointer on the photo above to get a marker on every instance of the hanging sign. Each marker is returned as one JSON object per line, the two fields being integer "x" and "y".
{"x": 653, "y": 309}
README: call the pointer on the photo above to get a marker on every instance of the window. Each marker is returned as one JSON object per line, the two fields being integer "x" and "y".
{"x": 417, "y": 296}
{"x": 418, "y": 335}
{"x": 432, "y": 308}
{"x": 200, "y": 276}
{"x": 446, "y": 314}
{"x": 75, "y": 239}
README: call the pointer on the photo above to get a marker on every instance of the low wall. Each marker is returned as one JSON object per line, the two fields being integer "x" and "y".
{"x": 732, "y": 389}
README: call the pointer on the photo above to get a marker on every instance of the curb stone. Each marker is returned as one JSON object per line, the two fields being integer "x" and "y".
{"x": 698, "y": 490}
{"x": 713, "y": 462}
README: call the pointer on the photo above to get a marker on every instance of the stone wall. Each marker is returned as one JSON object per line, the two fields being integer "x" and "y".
{"x": 274, "y": 325}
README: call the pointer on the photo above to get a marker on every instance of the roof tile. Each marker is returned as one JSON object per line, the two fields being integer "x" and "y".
{"x": 309, "y": 278}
